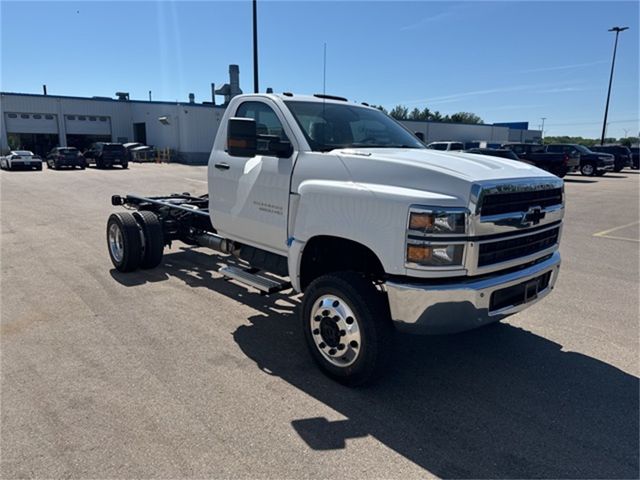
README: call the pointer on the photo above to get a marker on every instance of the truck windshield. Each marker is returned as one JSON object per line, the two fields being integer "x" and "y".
{"x": 328, "y": 126}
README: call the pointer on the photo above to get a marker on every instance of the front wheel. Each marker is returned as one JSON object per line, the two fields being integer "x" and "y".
{"x": 588, "y": 170}
{"x": 617, "y": 169}
{"x": 347, "y": 327}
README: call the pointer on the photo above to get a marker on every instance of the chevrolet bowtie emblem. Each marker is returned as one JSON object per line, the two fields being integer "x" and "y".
{"x": 532, "y": 216}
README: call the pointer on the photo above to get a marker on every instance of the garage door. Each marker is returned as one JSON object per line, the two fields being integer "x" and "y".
{"x": 87, "y": 125}
{"x": 31, "y": 123}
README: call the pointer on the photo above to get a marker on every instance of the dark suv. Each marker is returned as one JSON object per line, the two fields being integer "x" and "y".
{"x": 622, "y": 154}
{"x": 106, "y": 155}
{"x": 65, "y": 157}
{"x": 591, "y": 163}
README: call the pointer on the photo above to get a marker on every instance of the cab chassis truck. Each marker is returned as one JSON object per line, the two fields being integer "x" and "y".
{"x": 339, "y": 201}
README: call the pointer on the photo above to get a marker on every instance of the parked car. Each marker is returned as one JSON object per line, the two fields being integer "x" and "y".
{"x": 635, "y": 161}
{"x": 591, "y": 163}
{"x": 495, "y": 152}
{"x": 446, "y": 146}
{"x": 21, "y": 159}
{"x": 106, "y": 155}
{"x": 60, "y": 157}
{"x": 557, "y": 163}
{"x": 621, "y": 153}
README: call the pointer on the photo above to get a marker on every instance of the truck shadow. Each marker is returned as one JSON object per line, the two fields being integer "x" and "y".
{"x": 492, "y": 403}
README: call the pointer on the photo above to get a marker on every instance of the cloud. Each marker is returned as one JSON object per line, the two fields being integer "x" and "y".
{"x": 455, "y": 97}
{"x": 431, "y": 18}
{"x": 564, "y": 67}
{"x": 564, "y": 90}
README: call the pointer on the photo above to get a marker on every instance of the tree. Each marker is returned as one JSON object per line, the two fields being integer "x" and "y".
{"x": 466, "y": 117}
{"x": 380, "y": 107}
{"x": 436, "y": 116}
{"x": 399, "y": 112}
{"x": 628, "y": 141}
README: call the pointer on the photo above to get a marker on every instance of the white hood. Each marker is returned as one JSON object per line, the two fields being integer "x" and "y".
{"x": 448, "y": 173}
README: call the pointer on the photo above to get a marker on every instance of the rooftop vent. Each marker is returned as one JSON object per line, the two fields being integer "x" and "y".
{"x": 122, "y": 95}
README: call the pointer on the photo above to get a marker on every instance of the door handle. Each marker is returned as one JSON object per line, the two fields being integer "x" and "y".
{"x": 222, "y": 166}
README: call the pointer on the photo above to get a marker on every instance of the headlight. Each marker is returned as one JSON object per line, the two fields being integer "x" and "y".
{"x": 426, "y": 224}
{"x": 435, "y": 255}
{"x": 437, "y": 221}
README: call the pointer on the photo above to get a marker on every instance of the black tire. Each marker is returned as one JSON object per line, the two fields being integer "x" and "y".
{"x": 125, "y": 165}
{"x": 39, "y": 167}
{"x": 130, "y": 241}
{"x": 153, "y": 238}
{"x": 588, "y": 169}
{"x": 372, "y": 319}
{"x": 99, "y": 163}
{"x": 618, "y": 169}
{"x": 601, "y": 173}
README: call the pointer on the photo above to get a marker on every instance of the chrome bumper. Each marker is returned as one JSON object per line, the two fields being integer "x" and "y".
{"x": 425, "y": 308}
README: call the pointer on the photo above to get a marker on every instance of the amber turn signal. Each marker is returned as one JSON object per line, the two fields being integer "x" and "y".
{"x": 421, "y": 221}
{"x": 419, "y": 253}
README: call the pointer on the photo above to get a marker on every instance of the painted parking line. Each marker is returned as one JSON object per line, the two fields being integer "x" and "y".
{"x": 605, "y": 233}
{"x": 195, "y": 180}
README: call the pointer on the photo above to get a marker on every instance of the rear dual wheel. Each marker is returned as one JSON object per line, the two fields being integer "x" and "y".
{"x": 134, "y": 240}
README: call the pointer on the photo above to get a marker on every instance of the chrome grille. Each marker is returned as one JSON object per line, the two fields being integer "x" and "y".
{"x": 499, "y": 251}
{"x": 507, "y": 202}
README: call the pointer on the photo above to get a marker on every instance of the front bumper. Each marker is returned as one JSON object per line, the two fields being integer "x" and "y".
{"x": 427, "y": 308}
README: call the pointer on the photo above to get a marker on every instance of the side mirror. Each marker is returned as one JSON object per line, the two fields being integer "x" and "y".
{"x": 420, "y": 136}
{"x": 241, "y": 137}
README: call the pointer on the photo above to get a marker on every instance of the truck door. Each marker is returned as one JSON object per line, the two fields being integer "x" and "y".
{"x": 250, "y": 196}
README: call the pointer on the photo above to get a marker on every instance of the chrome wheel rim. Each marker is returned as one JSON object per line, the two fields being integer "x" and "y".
{"x": 335, "y": 331}
{"x": 116, "y": 242}
{"x": 588, "y": 169}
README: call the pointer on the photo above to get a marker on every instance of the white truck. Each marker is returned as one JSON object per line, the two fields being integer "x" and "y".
{"x": 341, "y": 202}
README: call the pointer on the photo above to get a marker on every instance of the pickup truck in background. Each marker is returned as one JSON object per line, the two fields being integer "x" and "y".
{"x": 621, "y": 153}
{"x": 337, "y": 200}
{"x": 591, "y": 163}
{"x": 557, "y": 163}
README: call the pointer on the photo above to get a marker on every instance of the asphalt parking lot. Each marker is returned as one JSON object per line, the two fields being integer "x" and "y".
{"x": 177, "y": 373}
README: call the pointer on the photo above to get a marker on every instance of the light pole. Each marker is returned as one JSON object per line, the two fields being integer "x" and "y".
{"x": 613, "y": 63}
{"x": 255, "y": 47}
{"x": 542, "y": 129}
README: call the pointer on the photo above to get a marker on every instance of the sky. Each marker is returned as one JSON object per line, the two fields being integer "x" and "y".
{"x": 502, "y": 60}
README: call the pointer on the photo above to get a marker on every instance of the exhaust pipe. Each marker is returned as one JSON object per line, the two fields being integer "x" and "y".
{"x": 215, "y": 242}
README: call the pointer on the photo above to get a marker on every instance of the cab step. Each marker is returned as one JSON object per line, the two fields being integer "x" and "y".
{"x": 248, "y": 277}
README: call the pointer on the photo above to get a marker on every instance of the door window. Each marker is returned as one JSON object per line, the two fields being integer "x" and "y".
{"x": 267, "y": 122}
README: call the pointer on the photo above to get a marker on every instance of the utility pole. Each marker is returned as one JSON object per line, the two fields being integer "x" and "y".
{"x": 613, "y": 63}
{"x": 542, "y": 129}
{"x": 255, "y": 47}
